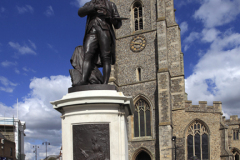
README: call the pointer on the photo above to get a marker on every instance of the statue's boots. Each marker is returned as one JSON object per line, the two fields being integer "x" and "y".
{"x": 106, "y": 71}
{"x": 86, "y": 73}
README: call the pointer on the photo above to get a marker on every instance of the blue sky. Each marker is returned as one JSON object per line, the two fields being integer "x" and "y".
{"x": 38, "y": 39}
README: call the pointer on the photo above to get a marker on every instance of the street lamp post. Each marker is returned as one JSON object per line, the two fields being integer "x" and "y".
{"x": 46, "y": 143}
{"x": 35, "y": 151}
{"x": 174, "y": 139}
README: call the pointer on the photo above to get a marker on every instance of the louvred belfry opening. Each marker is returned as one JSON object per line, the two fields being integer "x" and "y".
{"x": 138, "y": 16}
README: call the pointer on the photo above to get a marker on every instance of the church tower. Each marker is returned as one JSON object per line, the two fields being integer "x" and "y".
{"x": 149, "y": 67}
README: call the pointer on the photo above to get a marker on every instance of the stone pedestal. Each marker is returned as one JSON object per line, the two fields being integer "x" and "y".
{"x": 94, "y": 124}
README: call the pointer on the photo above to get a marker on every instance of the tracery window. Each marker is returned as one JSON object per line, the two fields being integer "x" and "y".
{"x": 235, "y": 134}
{"x": 197, "y": 141}
{"x": 236, "y": 154}
{"x": 142, "y": 119}
{"x": 138, "y": 16}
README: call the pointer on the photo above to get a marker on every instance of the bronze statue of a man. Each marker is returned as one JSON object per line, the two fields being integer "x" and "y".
{"x": 99, "y": 39}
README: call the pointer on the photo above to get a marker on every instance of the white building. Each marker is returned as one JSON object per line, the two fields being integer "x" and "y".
{"x": 13, "y": 130}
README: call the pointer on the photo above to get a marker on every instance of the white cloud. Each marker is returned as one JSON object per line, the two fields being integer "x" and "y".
{"x": 79, "y": 3}
{"x": 217, "y": 12}
{"x": 52, "y": 48}
{"x": 192, "y": 37}
{"x": 184, "y": 27}
{"x": 32, "y": 44}
{"x": 186, "y": 47}
{"x": 6, "y": 85}
{"x": 2, "y": 9}
{"x": 24, "y": 49}
{"x": 41, "y": 151}
{"x": 6, "y": 111}
{"x": 49, "y": 12}
{"x": 17, "y": 71}
{"x": 227, "y": 116}
{"x": 188, "y": 41}
{"x": 35, "y": 109}
{"x": 209, "y": 35}
{"x": 8, "y": 63}
{"x": 6, "y": 82}
{"x": 206, "y": 36}
{"x": 24, "y": 9}
{"x": 229, "y": 41}
{"x": 28, "y": 149}
{"x": 216, "y": 77}
{"x": 28, "y": 69}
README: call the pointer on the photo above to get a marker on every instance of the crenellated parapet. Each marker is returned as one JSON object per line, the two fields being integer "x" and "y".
{"x": 203, "y": 107}
{"x": 234, "y": 120}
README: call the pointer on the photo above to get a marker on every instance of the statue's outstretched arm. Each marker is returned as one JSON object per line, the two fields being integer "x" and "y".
{"x": 116, "y": 23}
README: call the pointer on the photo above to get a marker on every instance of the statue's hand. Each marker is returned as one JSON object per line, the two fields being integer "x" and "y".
{"x": 100, "y": 9}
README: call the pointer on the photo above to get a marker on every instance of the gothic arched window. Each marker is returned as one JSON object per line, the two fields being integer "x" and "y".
{"x": 197, "y": 141}
{"x": 143, "y": 156}
{"x": 236, "y": 154}
{"x": 142, "y": 119}
{"x": 138, "y": 16}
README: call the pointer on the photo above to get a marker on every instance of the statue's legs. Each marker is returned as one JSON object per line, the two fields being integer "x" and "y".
{"x": 90, "y": 48}
{"x": 105, "y": 49}
{"x": 97, "y": 39}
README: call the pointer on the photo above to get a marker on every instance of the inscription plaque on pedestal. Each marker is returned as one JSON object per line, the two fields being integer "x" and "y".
{"x": 91, "y": 142}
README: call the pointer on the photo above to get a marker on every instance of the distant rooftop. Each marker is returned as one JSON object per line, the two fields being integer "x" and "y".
{"x": 8, "y": 121}
{"x": 2, "y": 136}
